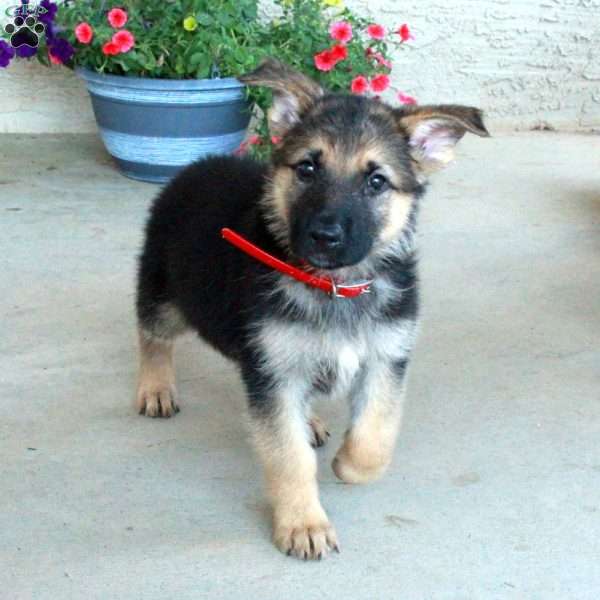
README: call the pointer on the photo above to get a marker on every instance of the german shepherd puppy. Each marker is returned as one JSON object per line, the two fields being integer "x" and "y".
{"x": 339, "y": 199}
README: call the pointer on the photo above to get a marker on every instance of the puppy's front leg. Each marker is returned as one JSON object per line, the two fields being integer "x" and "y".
{"x": 282, "y": 438}
{"x": 376, "y": 415}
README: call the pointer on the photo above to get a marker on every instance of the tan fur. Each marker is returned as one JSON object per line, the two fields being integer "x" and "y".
{"x": 398, "y": 211}
{"x": 359, "y": 161}
{"x": 276, "y": 204}
{"x": 300, "y": 525}
{"x": 156, "y": 384}
{"x": 320, "y": 144}
{"x": 369, "y": 444}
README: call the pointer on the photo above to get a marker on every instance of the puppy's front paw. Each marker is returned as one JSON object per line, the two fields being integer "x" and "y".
{"x": 305, "y": 539}
{"x": 156, "y": 400}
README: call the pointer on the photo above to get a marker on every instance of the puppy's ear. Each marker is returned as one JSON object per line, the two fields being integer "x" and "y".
{"x": 434, "y": 131}
{"x": 293, "y": 93}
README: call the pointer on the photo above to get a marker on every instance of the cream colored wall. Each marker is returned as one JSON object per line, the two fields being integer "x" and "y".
{"x": 525, "y": 62}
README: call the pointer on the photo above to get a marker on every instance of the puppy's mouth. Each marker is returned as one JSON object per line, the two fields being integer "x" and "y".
{"x": 327, "y": 255}
{"x": 319, "y": 262}
{"x": 324, "y": 263}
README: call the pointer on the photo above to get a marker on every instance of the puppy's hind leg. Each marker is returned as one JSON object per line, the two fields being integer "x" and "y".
{"x": 156, "y": 393}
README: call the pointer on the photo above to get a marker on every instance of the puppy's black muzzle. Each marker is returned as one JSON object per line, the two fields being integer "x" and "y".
{"x": 328, "y": 241}
{"x": 327, "y": 236}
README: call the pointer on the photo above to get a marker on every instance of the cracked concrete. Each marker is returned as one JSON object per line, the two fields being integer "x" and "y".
{"x": 494, "y": 492}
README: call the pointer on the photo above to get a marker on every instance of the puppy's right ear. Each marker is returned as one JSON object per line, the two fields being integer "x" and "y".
{"x": 434, "y": 131}
{"x": 293, "y": 93}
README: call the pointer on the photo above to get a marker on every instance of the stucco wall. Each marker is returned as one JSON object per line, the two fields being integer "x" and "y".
{"x": 526, "y": 62}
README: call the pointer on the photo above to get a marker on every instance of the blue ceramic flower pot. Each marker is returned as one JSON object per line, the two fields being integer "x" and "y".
{"x": 155, "y": 127}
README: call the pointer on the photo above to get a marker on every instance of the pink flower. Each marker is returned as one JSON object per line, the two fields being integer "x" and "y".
{"x": 404, "y": 33}
{"x": 339, "y": 52}
{"x": 110, "y": 48}
{"x": 54, "y": 59}
{"x": 241, "y": 149}
{"x": 84, "y": 33}
{"x": 124, "y": 40}
{"x": 325, "y": 61}
{"x": 341, "y": 31}
{"x": 377, "y": 32}
{"x": 406, "y": 99}
{"x": 276, "y": 139}
{"x": 380, "y": 83}
{"x": 384, "y": 62}
{"x": 359, "y": 85}
{"x": 117, "y": 17}
{"x": 253, "y": 140}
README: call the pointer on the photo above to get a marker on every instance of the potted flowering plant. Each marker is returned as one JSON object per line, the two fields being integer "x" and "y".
{"x": 161, "y": 73}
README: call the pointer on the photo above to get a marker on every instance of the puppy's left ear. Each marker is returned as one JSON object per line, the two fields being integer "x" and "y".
{"x": 293, "y": 93}
{"x": 434, "y": 131}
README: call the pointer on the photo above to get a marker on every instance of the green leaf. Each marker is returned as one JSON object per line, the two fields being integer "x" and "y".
{"x": 121, "y": 63}
{"x": 205, "y": 19}
{"x": 200, "y": 63}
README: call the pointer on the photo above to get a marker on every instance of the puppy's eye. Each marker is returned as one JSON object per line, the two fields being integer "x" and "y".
{"x": 376, "y": 182}
{"x": 306, "y": 170}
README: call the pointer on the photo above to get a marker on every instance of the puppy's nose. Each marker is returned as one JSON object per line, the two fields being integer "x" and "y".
{"x": 329, "y": 235}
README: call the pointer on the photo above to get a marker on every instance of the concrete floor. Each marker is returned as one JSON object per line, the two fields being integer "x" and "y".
{"x": 495, "y": 488}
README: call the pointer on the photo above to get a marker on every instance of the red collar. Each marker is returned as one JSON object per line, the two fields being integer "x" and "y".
{"x": 327, "y": 285}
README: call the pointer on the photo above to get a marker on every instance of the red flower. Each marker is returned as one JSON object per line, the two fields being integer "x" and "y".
{"x": 254, "y": 140}
{"x": 54, "y": 59}
{"x": 117, "y": 17}
{"x": 276, "y": 139}
{"x": 124, "y": 40}
{"x": 341, "y": 31}
{"x": 339, "y": 53}
{"x": 377, "y": 32}
{"x": 110, "y": 48}
{"x": 405, "y": 99}
{"x": 404, "y": 33}
{"x": 359, "y": 85}
{"x": 84, "y": 33}
{"x": 325, "y": 61}
{"x": 380, "y": 83}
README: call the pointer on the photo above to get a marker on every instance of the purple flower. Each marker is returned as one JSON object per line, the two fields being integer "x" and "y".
{"x": 7, "y": 53}
{"x": 48, "y": 16}
{"x": 26, "y": 51}
{"x": 49, "y": 32}
{"x": 61, "y": 49}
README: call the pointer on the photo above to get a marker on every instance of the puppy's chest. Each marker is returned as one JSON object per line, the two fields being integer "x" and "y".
{"x": 329, "y": 359}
